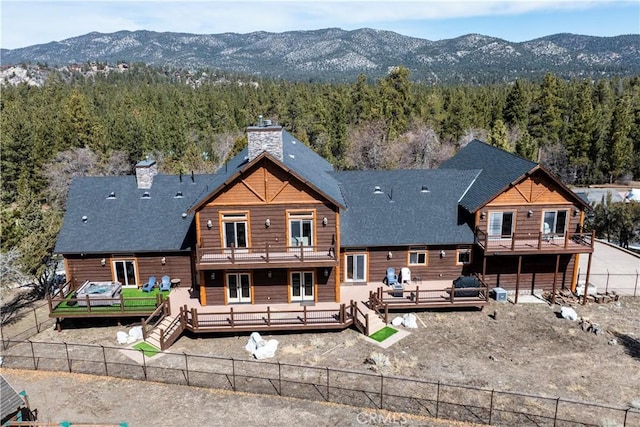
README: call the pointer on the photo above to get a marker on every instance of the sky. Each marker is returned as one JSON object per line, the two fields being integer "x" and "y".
{"x": 25, "y": 23}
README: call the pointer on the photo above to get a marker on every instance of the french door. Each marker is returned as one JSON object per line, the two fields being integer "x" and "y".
{"x": 239, "y": 288}
{"x": 125, "y": 272}
{"x": 301, "y": 286}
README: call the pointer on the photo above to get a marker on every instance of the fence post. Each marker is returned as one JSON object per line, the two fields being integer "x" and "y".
{"x": 279, "y": 379}
{"x": 186, "y": 366}
{"x": 328, "y": 398}
{"x": 35, "y": 314}
{"x": 626, "y": 414}
{"x": 104, "y": 358}
{"x": 437, "y": 399}
{"x": 491, "y": 407}
{"x": 635, "y": 290}
{"x": 555, "y": 415}
{"x": 606, "y": 288}
{"x": 381, "y": 389}
{"x": 233, "y": 374}
{"x": 66, "y": 349}
{"x": 2, "y": 337}
{"x": 33, "y": 355}
{"x": 144, "y": 365}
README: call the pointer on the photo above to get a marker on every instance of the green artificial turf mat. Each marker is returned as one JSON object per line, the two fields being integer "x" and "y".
{"x": 147, "y": 349}
{"x": 383, "y": 334}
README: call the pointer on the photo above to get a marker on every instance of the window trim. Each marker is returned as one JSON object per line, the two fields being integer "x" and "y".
{"x": 234, "y": 217}
{"x": 460, "y": 251}
{"x": 513, "y": 223}
{"x": 136, "y": 273}
{"x": 418, "y": 251}
{"x": 365, "y": 266}
{"x": 301, "y": 215}
{"x": 553, "y": 230}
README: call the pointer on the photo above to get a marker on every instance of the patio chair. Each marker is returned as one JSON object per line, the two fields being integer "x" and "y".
{"x": 148, "y": 287}
{"x": 392, "y": 277}
{"x": 166, "y": 284}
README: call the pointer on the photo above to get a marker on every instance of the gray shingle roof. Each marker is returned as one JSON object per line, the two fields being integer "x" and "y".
{"x": 10, "y": 399}
{"x": 414, "y": 217}
{"x": 499, "y": 169}
{"x": 129, "y": 222}
{"x": 311, "y": 166}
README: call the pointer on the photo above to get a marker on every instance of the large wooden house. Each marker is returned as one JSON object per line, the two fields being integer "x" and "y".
{"x": 277, "y": 224}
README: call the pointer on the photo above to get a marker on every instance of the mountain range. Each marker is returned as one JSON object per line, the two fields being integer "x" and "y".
{"x": 337, "y": 55}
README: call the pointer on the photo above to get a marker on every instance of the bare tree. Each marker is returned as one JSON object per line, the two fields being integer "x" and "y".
{"x": 11, "y": 272}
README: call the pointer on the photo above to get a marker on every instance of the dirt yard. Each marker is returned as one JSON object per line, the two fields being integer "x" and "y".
{"x": 525, "y": 348}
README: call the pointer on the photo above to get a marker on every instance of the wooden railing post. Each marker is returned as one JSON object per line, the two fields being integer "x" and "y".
{"x": 266, "y": 252}
{"x": 304, "y": 310}
{"x": 194, "y": 317}
{"x": 301, "y": 252}
{"x": 453, "y": 293}
{"x": 539, "y": 240}
{"x": 233, "y": 253}
{"x": 417, "y": 294}
{"x": 231, "y": 316}
{"x": 268, "y": 315}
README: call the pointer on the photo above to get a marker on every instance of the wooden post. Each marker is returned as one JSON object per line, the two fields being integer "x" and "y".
{"x": 304, "y": 310}
{"x": 417, "y": 294}
{"x": 194, "y": 317}
{"x": 231, "y": 316}
{"x": 586, "y": 282}
{"x": 555, "y": 279}
{"x": 35, "y": 315}
{"x": 518, "y": 277}
{"x": 268, "y": 315}
{"x": 484, "y": 266}
{"x": 539, "y": 240}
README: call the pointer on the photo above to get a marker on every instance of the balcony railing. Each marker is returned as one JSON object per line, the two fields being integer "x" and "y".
{"x": 531, "y": 242}
{"x": 266, "y": 254}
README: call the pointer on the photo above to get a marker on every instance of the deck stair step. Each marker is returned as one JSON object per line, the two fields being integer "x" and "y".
{"x": 154, "y": 337}
{"x": 375, "y": 322}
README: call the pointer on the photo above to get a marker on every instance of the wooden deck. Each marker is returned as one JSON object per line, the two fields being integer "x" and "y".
{"x": 247, "y": 257}
{"x": 63, "y": 304}
{"x": 531, "y": 244}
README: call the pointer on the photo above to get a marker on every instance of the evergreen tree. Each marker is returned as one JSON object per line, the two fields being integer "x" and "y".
{"x": 620, "y": 146}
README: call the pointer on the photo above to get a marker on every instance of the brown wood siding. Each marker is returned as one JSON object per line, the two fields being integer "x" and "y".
{"x": 214, "y": 288}
{"x": 276, "y": 233}
{"x": 536, "y": 272}
{"x": 326, "y": 290}
{"x": 274, "y": 290}
{"x": 176, "y": 267}
{"x": 531, "y": 224}
{"x": 88, "y": 267}
{"x": 536, "y": 189}
{"x": 437, "y": 268}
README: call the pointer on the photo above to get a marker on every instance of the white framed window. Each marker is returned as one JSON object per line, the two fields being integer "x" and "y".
{"x": 235, "y": 230}
{"x": 500, "y": 224}
{"x": 302, "y": 285}
{"x": 239, "y": 288}
{"x": 418, "y": 256}
{"x": 300, "y": 228}
{"x": 125, "y": 271}
{"x": 554, "y": 222}
{"x": 356, "y": 268}
{"x": 463, "y": 256}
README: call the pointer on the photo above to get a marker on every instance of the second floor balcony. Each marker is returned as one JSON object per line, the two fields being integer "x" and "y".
{"x": 535, "y": 243}
{"x": 283, "y": 256}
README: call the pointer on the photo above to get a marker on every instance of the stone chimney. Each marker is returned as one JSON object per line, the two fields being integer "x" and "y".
{"x": 265, "y": 137}
{"x": 145, "y": 171}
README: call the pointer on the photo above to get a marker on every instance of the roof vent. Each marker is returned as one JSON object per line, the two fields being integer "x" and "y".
{"x": 178, "y": 195}
{"x": 267, "y": 122}
{"x": 292, "y": 156}
{"x": 424, "y": 189}
{"x": 112, "y": 195}
{"x": 84, "y": 218}
{"x": 377, "y": 190}
{"x": 146, "y": 195}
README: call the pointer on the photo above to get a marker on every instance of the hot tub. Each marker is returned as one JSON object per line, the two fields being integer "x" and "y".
{"x": 100, "y": 293}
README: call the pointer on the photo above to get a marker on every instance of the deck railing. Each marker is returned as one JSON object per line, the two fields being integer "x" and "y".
{"x": 535, "y": 241}
{"x": 68, "y": 306}
{"x": 384, "y": 299}
{"x": 266, "y": 319}
{"x": 266, "y": 254}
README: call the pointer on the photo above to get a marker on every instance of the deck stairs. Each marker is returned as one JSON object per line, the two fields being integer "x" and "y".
{"x": 375, "y": 322}
{"x": 168, "y": 325}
